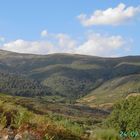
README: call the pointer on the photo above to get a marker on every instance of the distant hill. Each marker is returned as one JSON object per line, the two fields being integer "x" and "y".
{"x": 74, "y": 76}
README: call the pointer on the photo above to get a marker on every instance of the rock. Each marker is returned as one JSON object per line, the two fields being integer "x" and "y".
{"x": 18, "y": 137}
{"x": 10, "y": 137}
{"x": 10, "y": 134}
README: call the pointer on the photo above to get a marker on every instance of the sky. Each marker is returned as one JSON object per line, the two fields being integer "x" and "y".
{"x": 90, "y": 27}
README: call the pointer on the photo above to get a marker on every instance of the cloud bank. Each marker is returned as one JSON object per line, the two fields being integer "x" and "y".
{"x": 23, "y": 46}
{"x": 94, "y": 44}
{"x": 102, "y": 45}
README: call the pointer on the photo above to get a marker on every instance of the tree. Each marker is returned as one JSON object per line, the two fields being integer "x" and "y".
{"x": 126, "y": 115}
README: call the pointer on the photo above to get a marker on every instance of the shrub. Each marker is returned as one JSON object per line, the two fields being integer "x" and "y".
{"x": 126, "y": 115}
{"x": 22, "y": 117}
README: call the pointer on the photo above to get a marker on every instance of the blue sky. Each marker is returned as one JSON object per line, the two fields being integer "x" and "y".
{"x": 22, "y": 22}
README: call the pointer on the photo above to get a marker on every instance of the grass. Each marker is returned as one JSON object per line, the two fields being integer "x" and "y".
{"x": 105, "y": 134}
{"x": 46, "y": 120}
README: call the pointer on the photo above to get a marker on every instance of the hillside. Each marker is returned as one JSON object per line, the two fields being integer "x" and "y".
{"x": 15, "y": 84}
{"x": 69, "y": 75}
{"x": 112, "y": 91}
{"x": 38, "y": 119}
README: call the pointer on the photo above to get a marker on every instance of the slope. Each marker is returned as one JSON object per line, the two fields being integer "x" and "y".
{"x": 21, "y": 86}
{"x": 69, "y": 75}
{"x": 113, "y": 90}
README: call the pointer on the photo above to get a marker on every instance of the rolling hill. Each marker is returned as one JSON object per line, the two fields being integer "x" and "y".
{"x": 73, "y": 76}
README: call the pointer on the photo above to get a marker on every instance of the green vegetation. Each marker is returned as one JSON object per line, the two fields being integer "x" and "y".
{"x": 46, "y": 122}
{"x": 21, "y": 86}
{"x": 37, "y": 125}
{"x": 69, "y": 76}
{"x": 126, "y": 115}
{"x": 50, "y": 97}
{"x": 122, "y": 124}
{"x": 35, "y": 117}
{"x": 113, "y": 90}
{"x": 105, "y": 134}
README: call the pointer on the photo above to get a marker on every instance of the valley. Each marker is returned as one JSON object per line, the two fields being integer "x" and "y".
{"x": 72, "y": 94}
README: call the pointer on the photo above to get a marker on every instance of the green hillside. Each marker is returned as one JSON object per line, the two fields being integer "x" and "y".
{"x": 113, "y": 90}
{"x": 18, "y": 85}
{"x": 68, "y": 75}
{"x": 65, "y": 96}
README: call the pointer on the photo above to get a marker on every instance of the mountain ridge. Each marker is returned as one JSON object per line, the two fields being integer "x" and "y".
{"x": 71, "y": 54}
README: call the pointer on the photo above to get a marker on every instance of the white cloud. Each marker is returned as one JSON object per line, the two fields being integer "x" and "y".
{"x": 60, "y": 43}
{"x": 22, "y": 46}
{"x": 94, "y": 44}
{"x": 44, "y": 33}
{"x": 65, "y": 42}
{"x": 110, "y": 16}
{"x": 102, "y": 45}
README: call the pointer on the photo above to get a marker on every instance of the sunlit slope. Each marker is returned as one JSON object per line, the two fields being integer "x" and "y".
{"x": 112, "y": 91}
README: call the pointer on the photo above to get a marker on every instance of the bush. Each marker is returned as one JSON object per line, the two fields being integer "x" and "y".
{"x": 69, "y": 125}
{"x": 126, "y": 115}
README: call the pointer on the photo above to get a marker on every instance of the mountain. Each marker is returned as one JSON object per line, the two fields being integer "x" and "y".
{"x": 72, "y": 76}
